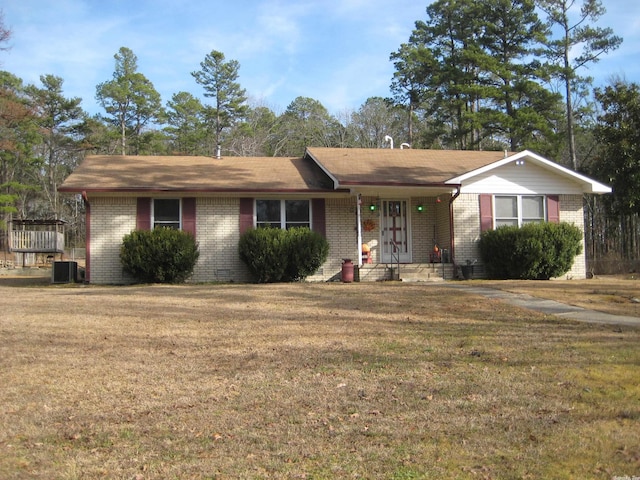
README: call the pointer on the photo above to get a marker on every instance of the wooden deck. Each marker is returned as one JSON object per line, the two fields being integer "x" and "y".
{"x": 30, "y": 241}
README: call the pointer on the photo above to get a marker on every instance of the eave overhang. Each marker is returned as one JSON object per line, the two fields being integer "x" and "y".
{"x": 231, "y": 192}
{"x": 587, "y": 184}
{"x": 402, "y": 189}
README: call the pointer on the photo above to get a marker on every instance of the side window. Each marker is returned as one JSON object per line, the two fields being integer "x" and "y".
{"x": 506, "y": 211}
{"x": 518, "y": 209}
{"x": 166, "y": 213}
{"x": 532, "y": 209}
{"x": 268, "y": 213}
{"x": 283, "y": 213}
{"x": 297, "y": 213}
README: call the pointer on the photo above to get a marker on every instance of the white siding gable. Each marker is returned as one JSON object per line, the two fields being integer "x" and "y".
{"x": 525, "y": 179}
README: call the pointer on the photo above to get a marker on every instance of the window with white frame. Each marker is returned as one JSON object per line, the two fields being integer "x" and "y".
{"x": 283, "y": 214}
{"x": 517, "y": 210}
{"x": 166, "y": 213}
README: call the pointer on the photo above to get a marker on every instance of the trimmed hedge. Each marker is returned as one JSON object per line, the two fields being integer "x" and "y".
{"x": 161, "y": 255}
{"x": 535, "y": 251}
{"x": 275, "y": 255}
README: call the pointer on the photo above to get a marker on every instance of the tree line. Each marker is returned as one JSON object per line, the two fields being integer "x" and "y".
{"x": 493, "y": 75}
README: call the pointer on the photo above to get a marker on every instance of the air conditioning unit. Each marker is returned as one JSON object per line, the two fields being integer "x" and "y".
{"x": 64, "y": 272}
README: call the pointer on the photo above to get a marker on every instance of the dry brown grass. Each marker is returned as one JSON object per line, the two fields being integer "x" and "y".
{"x": 309, "y": 381}
{"x": 618, "y": 295}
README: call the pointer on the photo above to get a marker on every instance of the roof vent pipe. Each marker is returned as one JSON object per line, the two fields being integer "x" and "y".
{"x": 388, "y": 139}
{"x": 403, "y": 145}
{"x": 218, "y": 152}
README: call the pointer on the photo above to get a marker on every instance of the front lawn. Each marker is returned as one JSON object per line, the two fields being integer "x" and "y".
{"x": 383, "y": 380}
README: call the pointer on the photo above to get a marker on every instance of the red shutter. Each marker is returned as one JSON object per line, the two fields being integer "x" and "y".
{"x": 189, "y": 215}
{"x": 143, "y": 213}
{"x": 319, "y": 217}
{"x": 486, "y": 212}
{"x": 553, "y": 209}
{"x": 246, "y": 214}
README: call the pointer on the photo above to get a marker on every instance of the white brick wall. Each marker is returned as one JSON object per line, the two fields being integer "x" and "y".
{"x": 467, "y": 229}
{"x": 111, "y": 220}
{"x": 218, "y": 233}
{"x": 572, "y": 211}
{"x": 342, "y": 235}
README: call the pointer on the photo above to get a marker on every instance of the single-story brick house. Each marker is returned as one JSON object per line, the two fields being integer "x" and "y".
{"x": 397, "y": 205}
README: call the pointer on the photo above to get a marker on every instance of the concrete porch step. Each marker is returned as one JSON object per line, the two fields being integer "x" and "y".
{"x": 409, "y": 272}
{"x": 431, "y": 272}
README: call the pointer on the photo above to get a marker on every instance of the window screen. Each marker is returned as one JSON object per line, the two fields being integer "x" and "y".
{"x": 283, "y": 213}
{"x": 166, "y": 213}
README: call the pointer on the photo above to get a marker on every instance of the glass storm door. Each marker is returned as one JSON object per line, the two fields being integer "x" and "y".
{"x": 395, "y": 231}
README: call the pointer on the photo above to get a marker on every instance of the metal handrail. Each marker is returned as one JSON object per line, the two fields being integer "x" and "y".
{"x": 395, "y": 251}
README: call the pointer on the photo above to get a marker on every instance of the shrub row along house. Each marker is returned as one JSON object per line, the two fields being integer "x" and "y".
{"x": 397, "y": 213}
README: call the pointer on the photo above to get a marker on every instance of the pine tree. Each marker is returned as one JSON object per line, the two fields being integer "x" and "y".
{"x": 575, "y": 32}
{"x": 219, "y": 80}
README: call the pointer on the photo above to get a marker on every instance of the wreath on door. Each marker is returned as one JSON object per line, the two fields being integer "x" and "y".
{"x": 369, "y": 225}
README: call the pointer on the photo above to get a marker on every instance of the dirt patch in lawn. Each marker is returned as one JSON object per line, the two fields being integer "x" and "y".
{"x": 378, "y": 380}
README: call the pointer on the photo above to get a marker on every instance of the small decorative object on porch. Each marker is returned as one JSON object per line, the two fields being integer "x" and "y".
{"x": 369, "y": 225}
{"x": 366, "y": 254}
{"x": 435, "y": 256}
{"x": 347, "y": 270}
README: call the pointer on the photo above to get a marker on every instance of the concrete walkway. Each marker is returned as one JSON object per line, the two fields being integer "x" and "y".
{"x": 550, "y": 307}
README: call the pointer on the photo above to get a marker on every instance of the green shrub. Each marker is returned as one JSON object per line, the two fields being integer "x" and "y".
{"x": 307, "y": 251}
{"x": 161, "y": 255}
{"x": 275, "y": 255}
{"x": 536, "y": 251}
{"x": 263, "y": 252}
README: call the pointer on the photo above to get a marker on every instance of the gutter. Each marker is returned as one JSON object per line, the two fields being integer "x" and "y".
{"x": 225, "y": 191}
{"x": 87, "y": 234}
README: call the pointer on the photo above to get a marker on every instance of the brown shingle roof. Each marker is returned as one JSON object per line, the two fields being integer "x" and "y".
{"x": 110, "y": 173}
{"x": 349, "y": 166}
{"x": 366, "y": 166}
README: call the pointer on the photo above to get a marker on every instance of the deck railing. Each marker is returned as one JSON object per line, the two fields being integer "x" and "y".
{"x": 31, "y": 241}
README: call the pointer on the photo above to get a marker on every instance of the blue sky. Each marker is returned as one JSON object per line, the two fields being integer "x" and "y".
{"x": 335, "y": 51}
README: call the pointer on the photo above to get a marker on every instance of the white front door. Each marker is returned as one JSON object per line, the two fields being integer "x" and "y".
{"x": 394, "y": 225}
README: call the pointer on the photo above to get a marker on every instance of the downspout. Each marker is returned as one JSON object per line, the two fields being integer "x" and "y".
{"x": 452, "y": 247}
{"x": 87, "y": 234}
{"x": 359, "y": 228}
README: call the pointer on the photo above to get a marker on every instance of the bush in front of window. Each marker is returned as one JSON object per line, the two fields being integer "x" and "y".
{"x": 307, "y": 251}
{"x": 262, "y": 250}
{"x": 535, "y": 251}
{"x": 275, "y": 255}
{"x": 161, "y": 255}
